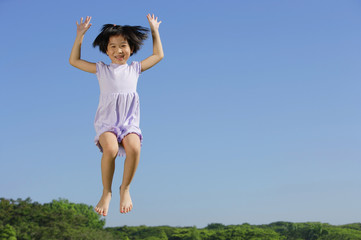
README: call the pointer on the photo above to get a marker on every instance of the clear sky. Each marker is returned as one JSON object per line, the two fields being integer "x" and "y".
{"x": 252, "y": 116}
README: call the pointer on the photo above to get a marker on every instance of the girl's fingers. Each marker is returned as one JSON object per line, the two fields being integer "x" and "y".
{"x": 151, "y": 18}
{"x": 83, "y": 22}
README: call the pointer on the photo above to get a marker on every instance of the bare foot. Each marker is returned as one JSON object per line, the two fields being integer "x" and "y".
{"x": 125, "y": 201}
{"x": 103, "y": 204}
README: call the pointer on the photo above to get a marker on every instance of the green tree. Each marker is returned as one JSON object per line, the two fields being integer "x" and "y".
{"x": 215, "y": 226}
{"x": 341, "y": 233}
{"x": 180, "y": 234}
{"x": 194, "y": 234}
{"x": 7, "y": 233}
{"x": 59, "y": 219}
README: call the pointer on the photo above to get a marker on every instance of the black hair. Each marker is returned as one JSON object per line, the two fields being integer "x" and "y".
{"x": 135, "y": 35}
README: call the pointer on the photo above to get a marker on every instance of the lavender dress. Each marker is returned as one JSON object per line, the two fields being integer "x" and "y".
{"x": 118, "y": 109}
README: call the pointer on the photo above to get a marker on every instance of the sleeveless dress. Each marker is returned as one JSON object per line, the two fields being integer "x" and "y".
{"x": 118, "y": 110}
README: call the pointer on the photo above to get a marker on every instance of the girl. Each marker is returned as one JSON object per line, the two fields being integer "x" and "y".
{"x": 117, "y": 118}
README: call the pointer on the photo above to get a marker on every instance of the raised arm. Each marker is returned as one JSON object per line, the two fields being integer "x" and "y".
{"x": 157, "y": 44}
{"x": 75, "y": 59}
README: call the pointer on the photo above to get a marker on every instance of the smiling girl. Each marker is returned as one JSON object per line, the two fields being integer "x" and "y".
{"x": 117, "y": 117}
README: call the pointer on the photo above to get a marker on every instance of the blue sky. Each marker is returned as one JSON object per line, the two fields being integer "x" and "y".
{"x": 252, "y": 116}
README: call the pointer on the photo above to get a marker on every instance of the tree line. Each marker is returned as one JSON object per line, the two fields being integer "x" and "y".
{"x": 61, "y": 219}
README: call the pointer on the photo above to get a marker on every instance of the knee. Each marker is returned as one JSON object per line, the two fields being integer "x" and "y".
{"x": 133, "y": 150}
{"x": 110, "y": 150}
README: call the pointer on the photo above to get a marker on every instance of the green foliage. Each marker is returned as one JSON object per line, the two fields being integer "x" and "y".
{"x": 79, "y": 214}
{"x": 217, "y": 231}
{"x": 7, "y": 233}
{"x": 241, "y": 232}
{"x": 316, "y": 231}
{"x": 295, "y": 231}
{"x": 141, "y": 232}
{"x": 215, "y": 226}
{"x": 356, "y": 226}
{"x": 341, "y": 233}
{"x": 195, "y": 234}
{"x": 61, "y": 219}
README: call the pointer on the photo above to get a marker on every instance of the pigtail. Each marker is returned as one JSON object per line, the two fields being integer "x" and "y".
{"x": 135, "y": 35}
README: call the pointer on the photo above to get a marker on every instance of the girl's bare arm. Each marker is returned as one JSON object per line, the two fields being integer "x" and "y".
{"x": 157, "y": 44}
{"x": 75, "y": 54}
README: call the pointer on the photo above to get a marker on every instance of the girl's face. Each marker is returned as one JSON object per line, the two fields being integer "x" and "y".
{"x": 118, "y": 49}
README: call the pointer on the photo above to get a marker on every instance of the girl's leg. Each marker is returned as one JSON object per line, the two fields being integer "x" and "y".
{"x": 109, "y": 143}
{"x": 131, "y": 144}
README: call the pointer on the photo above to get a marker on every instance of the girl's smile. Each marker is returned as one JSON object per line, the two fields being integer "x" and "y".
{"x": 118, "y": 49}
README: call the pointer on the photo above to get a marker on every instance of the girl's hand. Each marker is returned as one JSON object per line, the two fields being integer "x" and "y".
{"x": 153, "y": 22}
{"x": 83, "y": 26}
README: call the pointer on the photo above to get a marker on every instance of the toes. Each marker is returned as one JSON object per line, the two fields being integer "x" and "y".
{"x": 104, "y": 212}
{"x": 100, "y": 211}
{"x": 97, "y": 210}
{"x": 126, "y": 209}
{"x": 130, "y": 208}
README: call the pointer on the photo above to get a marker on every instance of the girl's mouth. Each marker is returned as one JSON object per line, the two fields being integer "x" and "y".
{"x": 119, "y": 57}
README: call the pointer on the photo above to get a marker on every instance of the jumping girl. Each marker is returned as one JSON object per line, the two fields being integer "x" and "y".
{"x": 117, "y": 117}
